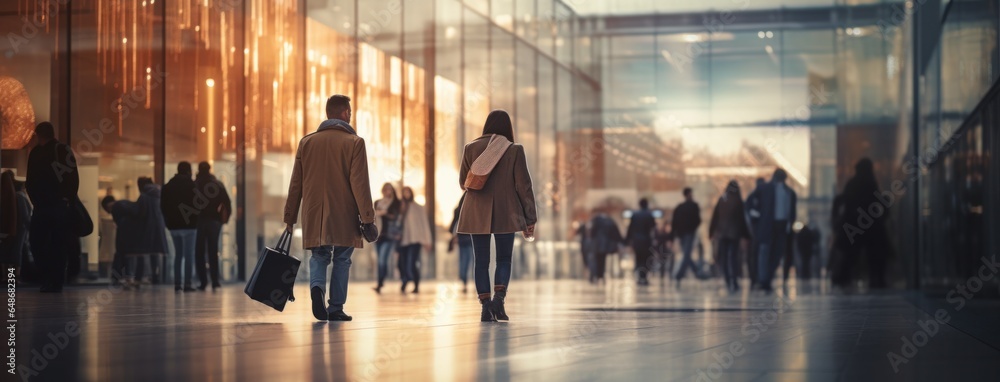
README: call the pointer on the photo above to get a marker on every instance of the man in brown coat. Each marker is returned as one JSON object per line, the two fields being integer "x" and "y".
{"x": 330, "y": 183}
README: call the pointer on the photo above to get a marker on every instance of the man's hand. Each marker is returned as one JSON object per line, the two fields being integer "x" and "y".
{"x": 289, "y": 228}
{"x": 427, "y": 247}
{"x": 530, "y": 232}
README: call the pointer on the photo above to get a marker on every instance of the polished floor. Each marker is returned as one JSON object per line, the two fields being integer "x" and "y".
{"x": 559, "y": 330}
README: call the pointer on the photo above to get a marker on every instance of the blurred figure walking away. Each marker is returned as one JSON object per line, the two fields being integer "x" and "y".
{"x": 211, "y": 194}
{"x": 665, "y": 250}
{"x": 52, "y": 183}
{"x": 8, "y": 222}
{"x": 388, "y": 209}
{"x": 606, "y": 240}
{"x": 178, "y": 207}
{"x": 330, "y": 182}
{"x": 777, "y": 208}
{"x": 503, "y": 205}
{"x": 806, "y": 240}
{"x": 686, "y": 219}
{"x": 416, "y": 236}
{"x": 465, "y": 249}
{"x": 728, "y": 229}
{"x": 861, "y": 216}
{"x": 752, "y": 207}
{"x": 640, "y": 236}
{"x": 583, "y": 233}
{"x": 15, "y": 247}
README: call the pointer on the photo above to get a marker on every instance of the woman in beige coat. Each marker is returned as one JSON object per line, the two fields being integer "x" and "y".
{"x": 505, "y": 205}
{"x": 416, "y": 234}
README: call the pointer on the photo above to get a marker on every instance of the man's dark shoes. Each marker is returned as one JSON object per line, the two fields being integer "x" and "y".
{"x": 51, "y": 289}
{"x": 319, "y": 311}
{"x": 189, "y": 289}
{"x": 340, "y": 316}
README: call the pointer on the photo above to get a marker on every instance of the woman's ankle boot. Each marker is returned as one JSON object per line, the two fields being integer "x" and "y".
{"x": 500, "y": 293}
{"x": 487, "y": 315}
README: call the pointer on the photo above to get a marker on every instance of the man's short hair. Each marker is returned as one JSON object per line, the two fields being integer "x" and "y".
{"x": 184, "y": 168}
{"x": 644, "y": 203}
{"x": 143, "y": 181}
{"x": 204, "y": 168}
{"x": 336, "y": 105}
{"x": 45, "y": 130}
{"x": 687, "y": 191}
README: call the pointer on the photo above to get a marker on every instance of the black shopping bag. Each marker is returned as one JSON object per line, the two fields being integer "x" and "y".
{"x": 274, "y": 277}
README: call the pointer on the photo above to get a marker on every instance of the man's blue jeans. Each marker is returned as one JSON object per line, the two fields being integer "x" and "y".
{"x": 320, "y": 259}
{"x": 384, "y": 249}
{"x": 183, "y": 252}
{"x": 687, "y": 246}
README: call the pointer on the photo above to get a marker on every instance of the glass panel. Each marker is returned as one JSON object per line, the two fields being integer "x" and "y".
{"x": 378, "y": 114}
{"x": 526, "y": 22}
{"x": 273, "y": 62}
{"x": 745, "y": 65}
{"x": 502, "y": 13}
{"x": 502, "y": 71}
{"x": 115, "y": 96}
{"x": 564, "y": 33}
{"x": 478, "y": 89}
{"x": 34, "y": 52}
{"x": 546, "y": 26}
{"x": 682, "y": 77}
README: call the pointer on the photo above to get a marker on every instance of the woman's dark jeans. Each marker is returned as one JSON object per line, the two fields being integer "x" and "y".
{"x": 505, "y": 249}
{"x": 409, "y": 263}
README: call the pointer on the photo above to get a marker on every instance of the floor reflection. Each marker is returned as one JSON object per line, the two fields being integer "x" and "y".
{"x": 558, "y": 330}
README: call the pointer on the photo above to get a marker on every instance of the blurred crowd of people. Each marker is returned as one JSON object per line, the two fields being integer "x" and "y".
{"x": 756, "y": 237}
{"x": 44, "y": 219}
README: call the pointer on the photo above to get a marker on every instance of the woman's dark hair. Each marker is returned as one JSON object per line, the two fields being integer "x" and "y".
{"x": 394, "y": 195}
{"x": 498, "y": 122}
{"x": 410, "y": 199}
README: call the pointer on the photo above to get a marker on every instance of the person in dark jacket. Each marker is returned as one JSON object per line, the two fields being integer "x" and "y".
{"x": 210, "y": 194}
{"x": 178, "y": 207}
{"x": 728, "y": 229}
{"x": 868, "y": 235}
{"x": 752, "y": 207}
{"x": 141, "y": 235}
{"x": 52, "y": 184}
{"x": 8, "y": 221}
{"x": 605, "y": 238}
{"x": 664, "y": 250}
{"x": 640, "y": 236}
{"x": 777, "y": 209}
{"x": 586, "y": 245}
{"x": 686, "y": 219}
{"x": 806, "y": 240}
{"x": 465, "y": 248}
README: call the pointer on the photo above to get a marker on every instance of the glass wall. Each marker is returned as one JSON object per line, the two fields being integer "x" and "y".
{"x": 237, "y": 84}
{"x": 957, "y": 133}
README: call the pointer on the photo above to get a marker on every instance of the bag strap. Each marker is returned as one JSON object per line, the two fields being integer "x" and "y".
{"x": 488, "y": 159}
{"x": 284, "y": 243}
